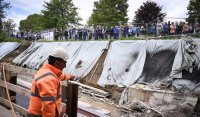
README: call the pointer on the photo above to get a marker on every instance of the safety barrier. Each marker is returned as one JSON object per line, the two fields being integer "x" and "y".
{"x": 70, "y": 98}
{"x": 11, "y": 74}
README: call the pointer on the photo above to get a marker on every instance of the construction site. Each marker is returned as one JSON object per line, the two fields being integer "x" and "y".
{"x": 122, "y": 78}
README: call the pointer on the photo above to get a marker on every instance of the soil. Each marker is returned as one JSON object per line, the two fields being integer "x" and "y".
{"x": 12, "y": 55}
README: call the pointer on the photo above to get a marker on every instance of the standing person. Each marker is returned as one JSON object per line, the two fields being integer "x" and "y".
{"x": 80, "y": 34}
{"x": 70, "y": 33}
{"x": 76, "y": 34}
{"x": 116, "y": 32}
{"x": 172, "y": 29}
{"x": 130, "y": 31}
{"x": 126, "y": 28}
{"x": 85, "y": 34}
{"x": 45, "y": 100}
{"x": 66, "y": 35}
{"x": 96, "y": 33}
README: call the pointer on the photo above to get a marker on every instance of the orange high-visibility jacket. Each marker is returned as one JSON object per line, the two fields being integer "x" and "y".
{"x": 45, "y": 100}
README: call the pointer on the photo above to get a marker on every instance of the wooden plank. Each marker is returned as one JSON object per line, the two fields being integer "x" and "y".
{"x": 89, "y": 110}
{"x": 89, "y": 87}
{"x": 16, "y": 107}
{"x": 5, "y": 75}
{"x": 20, "y": 70}
{"x": 2, "y": 90}
{"x": 64, "y": 83}
{"x": 5, "y": 112}
{"x": 17, "y": 69}
{"x": 16, "y": 88}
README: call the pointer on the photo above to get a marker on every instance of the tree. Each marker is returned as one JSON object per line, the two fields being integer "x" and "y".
{"x": 109, "y": 12}
{"x": 3, "y": 6}
{"x": 193, "y": 11}
{"x": 9, "y": 26}
{"x": 60, "y": 14}
{"x": 148, "y": 13}
{"x": 33, "y": 23}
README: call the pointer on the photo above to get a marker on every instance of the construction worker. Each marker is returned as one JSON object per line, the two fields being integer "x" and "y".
{"x": 45, "y": 100}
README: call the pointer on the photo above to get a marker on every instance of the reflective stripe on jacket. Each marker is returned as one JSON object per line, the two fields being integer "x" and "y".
{"x": 45, "y": 100}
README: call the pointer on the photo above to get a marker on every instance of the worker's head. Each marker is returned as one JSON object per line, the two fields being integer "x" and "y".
{"x": 58, "y": 58}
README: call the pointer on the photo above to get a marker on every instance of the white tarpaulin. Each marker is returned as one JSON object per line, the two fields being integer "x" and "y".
{"x": 124, "y": 59}
{"x": 129, "y": 62}
{"x": 87, "y": 55}
{"x": 188, "y": 76}
{"x": 7, "y": 47}
{"x": 87, "y": 52}
{"x": 28, "y": 52}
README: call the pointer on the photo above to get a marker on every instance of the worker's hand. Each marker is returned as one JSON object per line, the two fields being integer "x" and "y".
{"x": 72, "y": 77}
{"x": 62, "y": 114}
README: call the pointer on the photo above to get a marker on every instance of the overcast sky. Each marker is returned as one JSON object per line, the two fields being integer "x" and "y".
{"x": 20, "y": 9}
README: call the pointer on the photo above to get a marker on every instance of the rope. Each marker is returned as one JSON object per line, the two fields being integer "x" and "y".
{"x": 4, "y": 76}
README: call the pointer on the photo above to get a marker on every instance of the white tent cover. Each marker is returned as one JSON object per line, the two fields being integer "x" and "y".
{"x": 7, "y": 47}
{"x": 87, "y": 52}
{"x": 129, "y": 62}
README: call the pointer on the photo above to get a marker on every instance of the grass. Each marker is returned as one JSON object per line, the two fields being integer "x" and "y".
{"x": 196, "y": 35}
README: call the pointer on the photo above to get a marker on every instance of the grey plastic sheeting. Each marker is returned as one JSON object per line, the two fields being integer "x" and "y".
{"x": 192, "y": 84}
{"x": 7, "y": 47}
{"x": 87, "y": 52}
{"x": 129, "y": 62}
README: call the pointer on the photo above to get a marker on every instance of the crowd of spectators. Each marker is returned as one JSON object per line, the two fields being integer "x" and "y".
{"x": 154, "y": 29}
{"x": 26, "y": 35}
{"x": 116, "y": 32}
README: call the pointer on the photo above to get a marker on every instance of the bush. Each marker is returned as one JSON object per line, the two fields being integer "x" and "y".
{"x": 2, "y": 36}
{"x": 5, "y": 38}
{"x": 196, "y": 35}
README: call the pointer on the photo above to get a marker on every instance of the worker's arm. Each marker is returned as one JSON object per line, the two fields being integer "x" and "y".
{"x": 66, "y": 77}
{"x": 48, "y": 92}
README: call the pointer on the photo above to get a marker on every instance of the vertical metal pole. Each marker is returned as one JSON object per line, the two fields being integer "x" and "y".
{"x": 195, "y": 25}
{"x": 120, "y": 29}
{"x": 157, "y": 26}
{"x": 72, "y": 100}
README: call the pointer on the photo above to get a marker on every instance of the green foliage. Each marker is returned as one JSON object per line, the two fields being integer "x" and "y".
{"x": 5, "y": 38}
{"x": 57, "y": 14}
{"x": 9, "y": 26}
{"x": 148, "y": 13}
{"x": 109, "y": 12}
{"x": 33, "y": 23}
{"x": 196, "y": 35}
{"x": 2, "y": 36}
{"x": 193, "y": 11}
{"x": 3, "y": 6}
{"x": 60, "y": 14}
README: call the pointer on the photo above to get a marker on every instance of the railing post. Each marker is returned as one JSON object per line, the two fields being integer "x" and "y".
{"x": 72, "y": 100}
